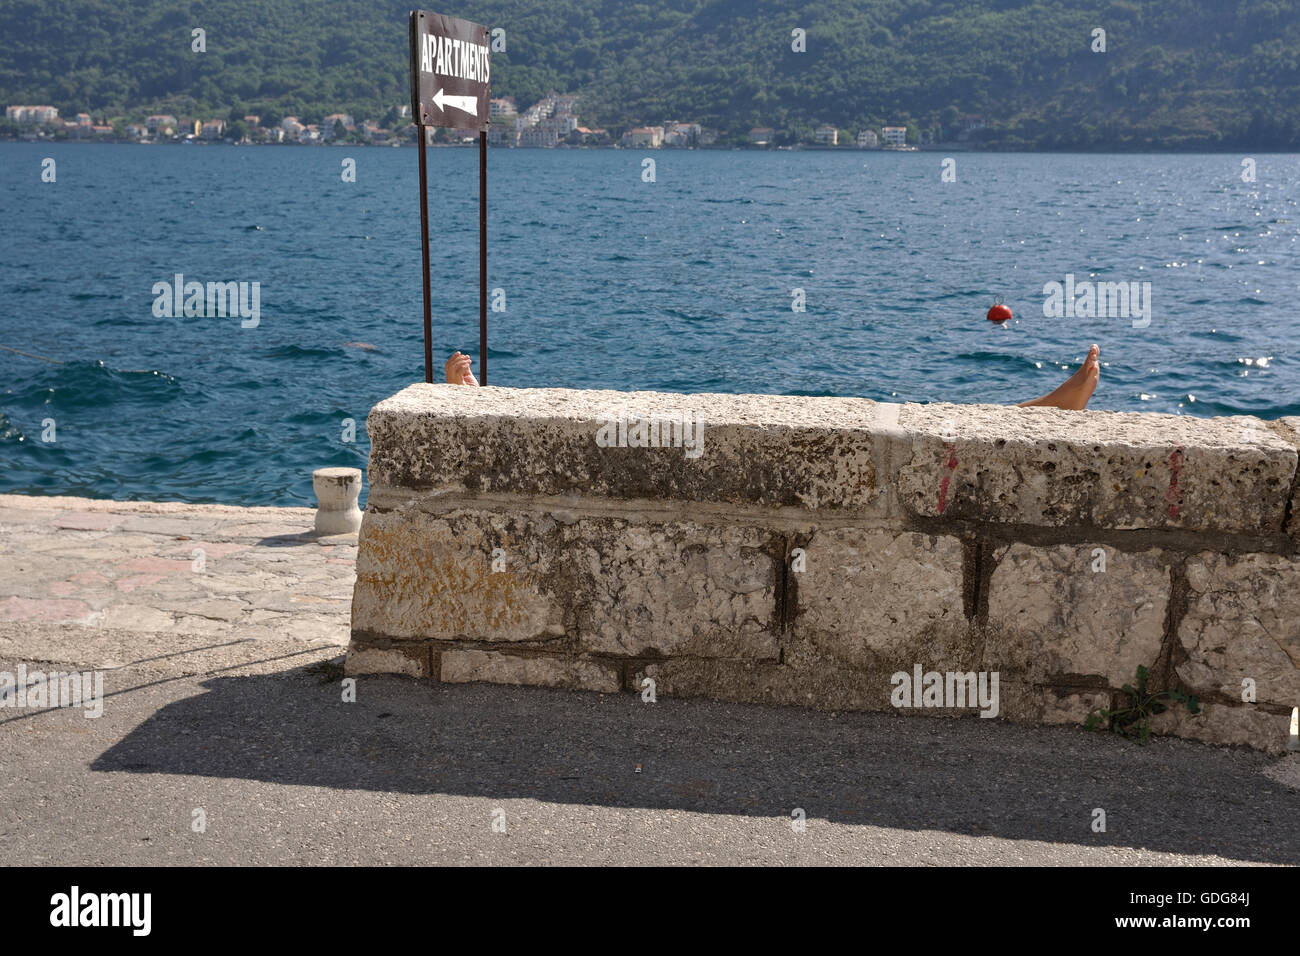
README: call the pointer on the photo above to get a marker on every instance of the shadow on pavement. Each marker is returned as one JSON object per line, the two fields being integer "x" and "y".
{"x": 967, "y": 776}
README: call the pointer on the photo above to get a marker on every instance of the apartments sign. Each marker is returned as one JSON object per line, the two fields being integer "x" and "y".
{"x": 449, "y": 87}
{"x": 449, "y": 71}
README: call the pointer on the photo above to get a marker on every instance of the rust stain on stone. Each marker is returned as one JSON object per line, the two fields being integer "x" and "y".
{"x": 950, "y": 450}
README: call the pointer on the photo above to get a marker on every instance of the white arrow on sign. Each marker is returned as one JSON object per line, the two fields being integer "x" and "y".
{"x": 466, "y": 104}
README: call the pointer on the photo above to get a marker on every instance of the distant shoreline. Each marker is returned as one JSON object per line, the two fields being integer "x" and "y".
{"x": 847, "y": 150}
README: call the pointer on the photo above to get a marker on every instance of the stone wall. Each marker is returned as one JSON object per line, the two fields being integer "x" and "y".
{"x": 806, "y": 550}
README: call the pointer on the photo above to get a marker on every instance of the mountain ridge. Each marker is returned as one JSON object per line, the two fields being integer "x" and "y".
{"x": 1175, "y": 74}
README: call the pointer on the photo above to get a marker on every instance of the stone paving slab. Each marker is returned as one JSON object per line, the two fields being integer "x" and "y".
{"x": 210, "y": 570}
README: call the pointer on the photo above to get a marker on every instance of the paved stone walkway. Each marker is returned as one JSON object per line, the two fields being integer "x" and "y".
{"x": 205, "y": 570}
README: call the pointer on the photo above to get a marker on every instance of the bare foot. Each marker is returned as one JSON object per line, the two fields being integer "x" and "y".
{"x": 1074, "y": 393}
{"x": 458, "y": 372}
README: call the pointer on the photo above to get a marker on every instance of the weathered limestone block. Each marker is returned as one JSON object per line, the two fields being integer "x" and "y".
{"x": 413, "y": 661}
{"x": 1026, "y": 703}
{"x": 810, "y": 679}
{"x": 1042, "y": 466}
{"x": 806, "y": 679}
{"x": 466, "y": 666}
{"x": 735, "y": 449}
{"x": 882, "y": 601}
{"x": 676, "y": 589}
{"x": 1246, "y": 725}
{"x": 1051, "y": 615}
{"x": 619, "y": 587}
{"x": 431, "y": 576}
{"x": 1243, "y": 621}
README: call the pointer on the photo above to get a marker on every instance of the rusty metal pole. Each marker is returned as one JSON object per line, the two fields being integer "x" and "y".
{"x": 424, "y": 256}
{"x": 482, "y": 256}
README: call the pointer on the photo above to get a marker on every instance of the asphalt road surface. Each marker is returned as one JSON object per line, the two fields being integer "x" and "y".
{"x": 245, "y": 752}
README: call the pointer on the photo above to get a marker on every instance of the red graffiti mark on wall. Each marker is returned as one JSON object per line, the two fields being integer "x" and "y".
{"x": 950, "y": 466}
{"x": 1174, "y": 496}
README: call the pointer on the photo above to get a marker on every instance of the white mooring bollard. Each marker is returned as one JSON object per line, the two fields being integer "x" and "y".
{"x": 337, "y": 490}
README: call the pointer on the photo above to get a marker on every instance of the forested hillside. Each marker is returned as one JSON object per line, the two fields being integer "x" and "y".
{"x": 1176, "y": 73}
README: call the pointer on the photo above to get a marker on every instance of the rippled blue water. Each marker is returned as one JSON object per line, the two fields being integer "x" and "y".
{"x": 684, "y": 284}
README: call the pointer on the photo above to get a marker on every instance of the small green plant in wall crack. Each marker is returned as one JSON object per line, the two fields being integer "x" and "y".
{"x": 1132, "y": 718}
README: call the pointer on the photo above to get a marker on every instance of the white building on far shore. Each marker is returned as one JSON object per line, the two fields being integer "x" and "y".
{"x": 643, "y": 136}
{"x": 32, "y": 114}
{"x": 894, "y": 135}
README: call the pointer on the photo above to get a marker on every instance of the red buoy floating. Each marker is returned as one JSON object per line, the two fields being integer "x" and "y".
{"x": 999, "y": 313}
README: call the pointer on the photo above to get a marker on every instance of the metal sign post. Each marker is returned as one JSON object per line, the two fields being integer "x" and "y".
{"x": 450, "y": 87}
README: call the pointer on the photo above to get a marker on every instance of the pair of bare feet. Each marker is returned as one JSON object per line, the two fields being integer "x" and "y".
{"x": 1072, "y": 394}
{"x": 458, "y": 371}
